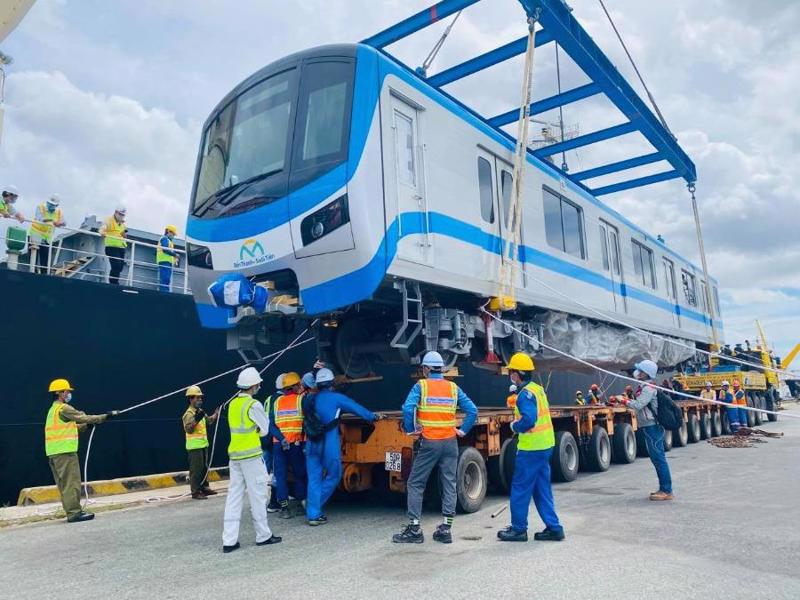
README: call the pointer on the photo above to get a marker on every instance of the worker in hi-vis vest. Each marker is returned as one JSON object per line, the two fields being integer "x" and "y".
{"x": 195, "y": 422}
{"x": 166, "y": 258}
{"x": 535, "y": 442}
{"x": 248, "y": 474}
{"x": 48, "y": 216}
{"x": 7, "y": 202}
{"x": 434, "y": 400}
{"x": 61, "y": 445}
{"x": 740, "y": 400}
{"x": 114, "y": 234}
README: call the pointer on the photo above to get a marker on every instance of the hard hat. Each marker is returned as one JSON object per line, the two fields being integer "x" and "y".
{"x": 647, "y": 366}
{"x": 54, "y": 199}
{"x": 279, "y": 382}
{"x": 171, "y": 229}
{"x": 512, "y": 389}
{"x": 248, "y": 378}
{"x": 735, "y": 383}
{"x": 595, "y": 387}
{"x": 324, "y": 376}
{"x": 290, "y": 379}
{"x": 725, "y": 383}
{"x": 521, "y": 362}
{"x": 11, "y": 189}
{"x": 708, "y": 384}
{"x": 193, "y": 390}
{"x": 308, "y": 380}
{"x": 579, "y": 393}
{"x": 121, "y": 209}
{"x": 60, "y": 385}
{"x": 433, "y": 359}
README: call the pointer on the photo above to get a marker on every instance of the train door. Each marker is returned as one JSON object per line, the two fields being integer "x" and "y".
{"x": 672, "y": 289}
{"x": 612, "y": 264}
{"x": 414, "y": 240}
{"x": 505, "y": 184}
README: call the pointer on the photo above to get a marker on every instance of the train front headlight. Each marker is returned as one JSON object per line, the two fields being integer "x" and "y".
{"x": 321, "y": 222}
{"x": 199, "y": 256}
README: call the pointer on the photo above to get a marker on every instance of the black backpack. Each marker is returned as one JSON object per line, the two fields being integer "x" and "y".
{"x": 313, "y": 426}
{"x": 669, "y": 414}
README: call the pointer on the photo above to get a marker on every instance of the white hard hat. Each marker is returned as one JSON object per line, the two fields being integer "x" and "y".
{"x": 725, "y": 382}
{"x": 121, "y": 209}
{"x": 54, "y": 199}
{"x": 279, "y": 382}
{"x": 248, "y": 378}
{"x": 433, "y": 359}
{"x": 708, "y": 384}
{"x": 324, "y": 376}
{"x": 648, "y": 367}
{"x": 11, "y": 189}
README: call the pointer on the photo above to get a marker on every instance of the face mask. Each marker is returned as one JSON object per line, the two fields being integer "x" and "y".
{"x": 198, "y": 404}
{"x": 637, "y": 374}
{"x": 258, "y": 389}
{"x": 68, "y": 397}
{"x": 51, "y": 207}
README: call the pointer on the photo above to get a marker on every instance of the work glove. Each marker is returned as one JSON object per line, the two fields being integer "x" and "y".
{"x": 285, "y": 444}
{"x": 112, "y": 413}
{"x": 199, "y": 414}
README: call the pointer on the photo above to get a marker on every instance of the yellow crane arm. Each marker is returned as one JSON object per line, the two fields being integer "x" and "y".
{"x": 787, "y": 360}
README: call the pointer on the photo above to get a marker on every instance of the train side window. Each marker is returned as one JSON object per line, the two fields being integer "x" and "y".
{"x": 486, "y": 189}
{"x": 406, "y": 162}
{"x": 604, "y": 247}
{"x": 643, "y": 264}
{"x": 716, "y": 300}
{"x": 506, "y": 185}
{"x": 689, "y": 288}
{"x": 563, "y": 224}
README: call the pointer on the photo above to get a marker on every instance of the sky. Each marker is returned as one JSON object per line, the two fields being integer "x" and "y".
{"x": 105, "y": 103}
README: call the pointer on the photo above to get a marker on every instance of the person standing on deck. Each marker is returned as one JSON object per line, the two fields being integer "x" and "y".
{"x": 114, "y": 235}
{"x": 166, "y": 258}
{"x": 48, "y": 217}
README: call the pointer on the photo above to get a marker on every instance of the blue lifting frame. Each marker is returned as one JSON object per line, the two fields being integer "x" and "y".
{"x": 558, "y": 25}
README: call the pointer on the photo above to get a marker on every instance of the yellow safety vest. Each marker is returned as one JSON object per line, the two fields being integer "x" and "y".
{"x": 114, "y": 231}
{"x": 245, "y": 441}
{"x": 708, "y": 394}
{"x": 541, "y": 436}
{"x": 163, "y": 257}
{"x": 59, "y": 437}
{"x": 198, "y": 438}
{"x": 45, "y": 230}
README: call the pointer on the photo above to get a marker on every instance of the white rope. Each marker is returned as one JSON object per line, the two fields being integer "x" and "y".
{"x": 637, "y": 381}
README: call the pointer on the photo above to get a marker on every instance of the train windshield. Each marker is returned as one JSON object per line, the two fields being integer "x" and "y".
{"x": 277, "y": 135}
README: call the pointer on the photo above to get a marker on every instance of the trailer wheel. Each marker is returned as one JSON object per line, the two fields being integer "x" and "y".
{"x": 771, "y": 404}
{"x": 716, "y": 423}
{"x": 599, "y": 450}
{"x": 669, "y": 438}
{"x": 624, "y": 448}
{"x": 705, "y": 426}
{"x": 693, "y": 429}
{"x": 680, "y": 436}
{"x": 507, "y": 458}
{"x": 751, "y": 415}
{"x": 565, "y": 460}
{"x": 641, "y": 444}
{"x": 726, "y": 424}
{"x": 471, "y": 479}
{"x": 762, "y": 404}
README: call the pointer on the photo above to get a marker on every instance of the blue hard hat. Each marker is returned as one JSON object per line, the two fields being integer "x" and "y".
{"x": 308, "y": 380}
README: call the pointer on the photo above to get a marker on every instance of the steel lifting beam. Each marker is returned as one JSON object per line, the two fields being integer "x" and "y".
{"x": 540, "y": 106}
{"x": 633, "y": 183}
{"x": 556, "y": 18}
{"x": 585, "y": 140}
{"x": 488, "y": 59}
{"x": 622, "y": 165}
{"x": 414, "y": 23}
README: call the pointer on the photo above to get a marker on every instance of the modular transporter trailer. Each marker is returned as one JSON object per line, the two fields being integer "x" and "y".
{"x": 379, "y": 455}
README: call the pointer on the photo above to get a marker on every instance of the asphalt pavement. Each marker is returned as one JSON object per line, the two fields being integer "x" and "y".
{"x": 732, "y": 532}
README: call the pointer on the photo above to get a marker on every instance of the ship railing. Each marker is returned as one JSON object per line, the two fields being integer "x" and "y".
{"x": 56, "y": 247}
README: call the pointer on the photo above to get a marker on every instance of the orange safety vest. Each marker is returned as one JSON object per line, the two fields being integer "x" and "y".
{"x": 289, "y": 417}
{"x": 436, "y": 411}
{"x": 739, "y": 397}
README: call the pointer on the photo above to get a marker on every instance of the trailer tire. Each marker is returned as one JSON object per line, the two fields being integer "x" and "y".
{"x": 471, "y": 479}
{"x": 726, "y": 424}
{"x": 680, "y": 436}
{"x": 705, "y": 426}
{"x": 716, "y": 423}
{"x": 641, "y": 445}
{"x": 693, "y": 429}
{"x": 505, "y": 464}
{"x": 771, "y": 405}
{"x": 624, "y": 446}
{"x": 599, "y": 450}
{"x": 565, "y": 460}
{"x": 669, "y": 438}
{"x": 751, "y": 415}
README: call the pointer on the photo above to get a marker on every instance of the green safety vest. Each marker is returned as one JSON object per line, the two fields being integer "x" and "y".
{"x": 245, "y": 441}
{"x": 4, "y": 207}
{"x": 541, "y": 436}
{"x": 59, "y": 437}
{"x": 198, "y": 438}
{"x": 163, "y": 257}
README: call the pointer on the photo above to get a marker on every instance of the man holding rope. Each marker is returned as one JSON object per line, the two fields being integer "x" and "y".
{"x": 195, "y": 422}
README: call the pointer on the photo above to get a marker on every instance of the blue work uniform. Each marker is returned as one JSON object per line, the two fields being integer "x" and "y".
{"x": 282, "y": 459}
{"x": 165, "y": 268}
{"x": 323, "y": 456}
{"x": 732, "y": 411}
{"x": 531, "y": 473}
{"x": 412, "y": 401}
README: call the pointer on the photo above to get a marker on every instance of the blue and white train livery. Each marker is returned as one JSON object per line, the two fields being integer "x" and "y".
{"x": 339, "y": 178}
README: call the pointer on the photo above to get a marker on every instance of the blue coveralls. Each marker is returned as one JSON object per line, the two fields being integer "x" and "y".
{"x": 732, "y": 411}
{"x": 282, "y": 459}
{"x": 742, "y": 412}
{"x": 323, "y": 457}
{"x": 165, "y": 268}
{"x": 531, "y": 473}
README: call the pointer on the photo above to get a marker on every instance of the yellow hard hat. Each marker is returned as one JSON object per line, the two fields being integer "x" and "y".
{"x": 521, "y": 362}
{"x": 290, "y": 379}
{"x": 60, "y": 385}
{"x": 171, "y": 229}
{"x": 193, "y": 390}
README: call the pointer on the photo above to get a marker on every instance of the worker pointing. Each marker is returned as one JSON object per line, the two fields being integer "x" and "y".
{"x": 248, "y": 424}
{"x": 61, "y": 445}
{"x": 195, "y": 424}
{"x": 536, "y": 438}
{"x": 166, "y": 258}
{"x": 435, "y": 401}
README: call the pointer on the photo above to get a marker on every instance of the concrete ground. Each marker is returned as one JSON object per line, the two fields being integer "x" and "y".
{"x": 732, "y": 532}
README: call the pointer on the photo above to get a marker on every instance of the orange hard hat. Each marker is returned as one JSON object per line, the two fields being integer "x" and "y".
{"x": 595, "y": 386}
{"x": 736, "y": 383}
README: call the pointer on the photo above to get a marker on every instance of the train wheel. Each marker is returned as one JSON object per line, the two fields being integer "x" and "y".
{"x": 624, "y": 447}
{"x": 471, "y": 479}
{"x": 680, "y": 437}
{"x": 508, "y": 455}
{"x": 705, "y": 426}
{"x": 693, "y": 429}
{"x": 599, "y": 451}
{"x": 349, "y": 335}
{"x": 565, "y": 460}
{"x": 716, "y": 423}
{"x": 669, "y": 437}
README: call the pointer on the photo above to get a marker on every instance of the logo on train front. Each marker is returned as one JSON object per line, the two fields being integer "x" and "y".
{"x": 252, "y": 253}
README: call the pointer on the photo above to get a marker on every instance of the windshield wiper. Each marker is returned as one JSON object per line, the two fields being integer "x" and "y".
{"x": 226, "y": 196}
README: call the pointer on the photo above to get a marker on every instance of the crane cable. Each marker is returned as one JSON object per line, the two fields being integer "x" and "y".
{"x": 426, "y": 64}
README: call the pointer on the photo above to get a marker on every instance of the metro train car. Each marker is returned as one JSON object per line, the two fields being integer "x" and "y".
{"x": 339, "y": 179}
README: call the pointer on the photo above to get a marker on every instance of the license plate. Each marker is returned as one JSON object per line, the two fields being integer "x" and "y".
{"x": 394, "y": 461}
